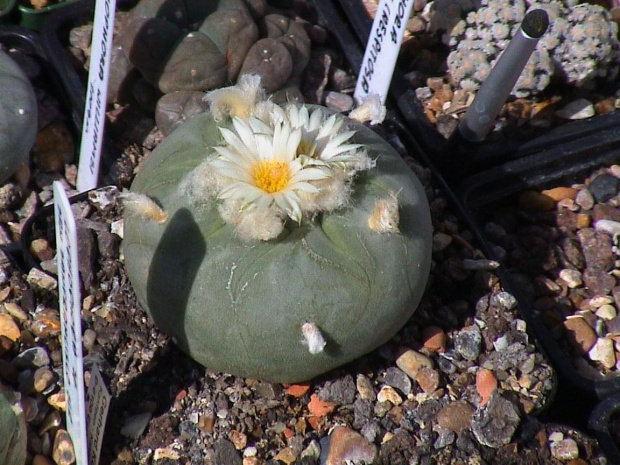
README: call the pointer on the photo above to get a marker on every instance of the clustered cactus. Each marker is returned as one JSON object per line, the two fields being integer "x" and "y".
{"x": 276, "y": 242}
{"x": 580, "y": 46}
{"x": 183, "y": 48}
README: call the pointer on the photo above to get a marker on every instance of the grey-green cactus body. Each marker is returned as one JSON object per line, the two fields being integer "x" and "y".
{"x": 238, "y": 306}
{"x": 18, "y": 117}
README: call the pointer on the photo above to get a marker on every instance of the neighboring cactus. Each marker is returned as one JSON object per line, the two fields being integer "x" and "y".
{"x": 18, "y": 117}
{"x": 195, "y": 45}
{"x": 13, "y": 432}
{"x": 580, "y": 45}
{"x": 276, "y": 242}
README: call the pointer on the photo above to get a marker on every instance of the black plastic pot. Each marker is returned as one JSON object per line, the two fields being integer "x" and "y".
{"x": 479, "y": 177}
{"x": 16, "y": 39}
{"x": 572, "y": 141}
{"x": 55, "y": 39}
{"x": 601, "y": 422}
{"x": 491, "y": 172}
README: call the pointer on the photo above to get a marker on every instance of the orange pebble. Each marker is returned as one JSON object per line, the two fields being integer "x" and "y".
{"x": 486, "y": 383}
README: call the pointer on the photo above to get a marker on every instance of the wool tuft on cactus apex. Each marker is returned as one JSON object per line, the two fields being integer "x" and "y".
{"x": 267, "y": 265}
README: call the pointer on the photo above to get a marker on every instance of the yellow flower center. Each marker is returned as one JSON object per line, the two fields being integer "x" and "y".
{"x": 270, "y": 175}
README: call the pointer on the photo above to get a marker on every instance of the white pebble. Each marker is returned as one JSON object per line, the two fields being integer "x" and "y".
{"x": 572, "y": 278}
{"x": 566, "y": 449}
{"x": 603, "y": 351}
{"x": 608, "y": 226}
{"x": 577, "y": 109}
{"x": 607, "y": 312}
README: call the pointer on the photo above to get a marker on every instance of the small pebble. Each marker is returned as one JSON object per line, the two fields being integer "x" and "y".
{"x": 441, "y": 241}
{"x": 580, "y": 334}
{"x": 88, "y": 339}
{"x": 364, "y": 388}
{"x": 388, "y": 394}
{"x": 560, "y": 193}
{"x": 467, "y": 342}
{"x": 338, "y": 101}
{"x": 63, "y": 453}
{"x": 411, "y": 361}
{"x": 58, "y": 400}
{"x": 52, "y": 420}
{"x": 434, "y": 339}
{"x": 428, "y": 379}
{"x": 8, "y": 327}
{"x": 566, "y": 449}
{"x": 604, "y": 187}
{"x": 456, "y": 416}
{"x": 15, "y": 311}
{"x": 165, "y": 453}
{"x": 486, "y": 383}
{"x": 398, "y": 379}
{"x": 608, "y": 226}
{"x": 286, "y": 455}
{"x": 571, "y": 277}
{"x": 607, "y": 312}
{"x": 238, "y": 439}
{"x": 577, "y": 109}
{"x": 347, "y": 446}
{"x": 584, "y": 199}
{"x": 603, "y": 351}
{"x": 34, "y": 357}
{"x": 480, "y": 264}
{"x": 43, "y": 378}
{"x": 41, "y": 280}
{"x": 494, "y": 424}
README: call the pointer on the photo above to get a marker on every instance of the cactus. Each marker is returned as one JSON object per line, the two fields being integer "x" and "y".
{"x": 18, "y": 117}
{"x": 12, "y": 431}
{"x": 580, "y": 48}
{"x": 276, "y": 242}
{"x": 193, "y": 45}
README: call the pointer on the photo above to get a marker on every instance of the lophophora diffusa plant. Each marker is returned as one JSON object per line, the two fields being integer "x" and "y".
{"x": 183, "y": 48}
{"x": 13, "y": 432}
{"x": 276, "y": 242}
{"x": 580, "y": 47}
{"x": 18, "y": 117}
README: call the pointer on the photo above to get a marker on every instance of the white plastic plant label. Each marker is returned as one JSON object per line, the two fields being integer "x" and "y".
{"x": 96, "y": 95}
{"x": 70, "y": 322}
{"x": 98, "y": 405}
{"x": 382, "y": 49}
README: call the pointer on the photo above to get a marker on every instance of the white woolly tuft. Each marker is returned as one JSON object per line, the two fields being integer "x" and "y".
{"x": 371, "y": 109}
{"x": 385, "y": 215}
{"x": 200, "y": 184}
{"x": 239, "y": 100}
{"x": 140, "y": 204}
{"x": 313, "y": 338}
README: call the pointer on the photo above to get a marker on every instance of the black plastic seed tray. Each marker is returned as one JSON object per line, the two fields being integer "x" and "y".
{"x": 55, "y": 39}
{"x": 18, "y": 41}
{"x": 478, "y": 178}
{"x": 571, "y": 142}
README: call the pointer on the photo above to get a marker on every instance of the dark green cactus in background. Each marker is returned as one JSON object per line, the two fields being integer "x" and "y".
{"x": 18, "y": 117}
{"x": 196, "y": 45}
{"x": 13, "y": 432}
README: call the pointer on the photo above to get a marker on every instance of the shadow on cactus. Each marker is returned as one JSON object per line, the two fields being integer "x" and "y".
{"x": 194, "y": 46}
{"x": 276, "y": 242}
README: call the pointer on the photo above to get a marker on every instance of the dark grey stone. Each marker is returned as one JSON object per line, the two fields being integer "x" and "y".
{"x": 604, "y": 187}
